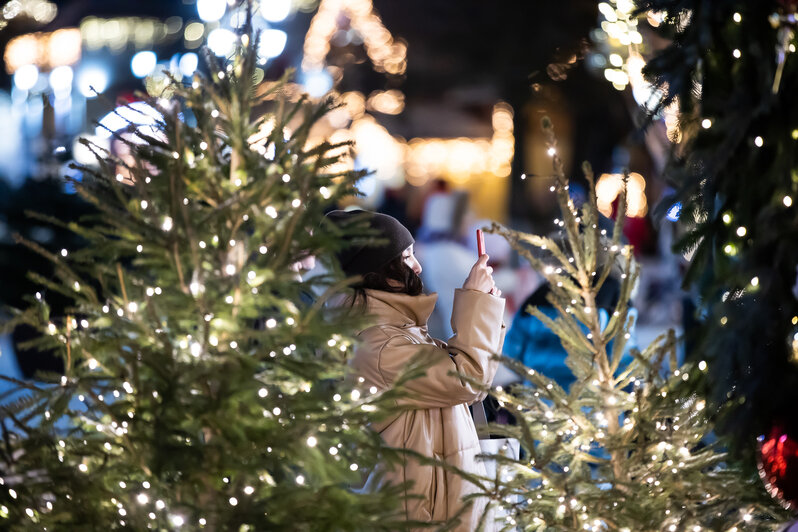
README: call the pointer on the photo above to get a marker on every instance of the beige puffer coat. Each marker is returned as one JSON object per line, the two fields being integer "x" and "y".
{"x": 437, "y": 423}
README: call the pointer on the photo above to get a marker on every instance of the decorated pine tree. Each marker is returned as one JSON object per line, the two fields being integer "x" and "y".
{"x": 205, "y": 382}
{"x": 731, "y": 70}
{"x": 629, "y": 446}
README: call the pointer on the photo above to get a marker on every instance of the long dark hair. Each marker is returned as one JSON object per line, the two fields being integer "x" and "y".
{"x": 405, "y": 281}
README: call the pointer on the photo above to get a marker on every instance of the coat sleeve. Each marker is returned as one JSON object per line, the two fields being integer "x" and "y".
{"x": 478, "y": 333}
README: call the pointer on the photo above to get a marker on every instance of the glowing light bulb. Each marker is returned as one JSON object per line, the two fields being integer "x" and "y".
{"x": 143, "y": 63}
{"x": 272, "y": 43}
{"x": 275, "y": 10}
{"x": 92, "y": 79}
{"x": 26, "y": 77}
{"x": 222, "y": 42}
{"x": 211, "y": 10}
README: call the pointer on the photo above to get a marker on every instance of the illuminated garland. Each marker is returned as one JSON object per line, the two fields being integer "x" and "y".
{"x": 387, "y": 55}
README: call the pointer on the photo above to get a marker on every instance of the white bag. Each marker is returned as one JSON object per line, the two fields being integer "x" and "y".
{"x": 509, "y": 447}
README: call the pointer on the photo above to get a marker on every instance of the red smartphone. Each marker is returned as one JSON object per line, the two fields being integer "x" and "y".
{"x": 480, "y": 242}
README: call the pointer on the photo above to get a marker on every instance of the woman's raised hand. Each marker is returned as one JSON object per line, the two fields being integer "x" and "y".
{"x": 481, "y": 279}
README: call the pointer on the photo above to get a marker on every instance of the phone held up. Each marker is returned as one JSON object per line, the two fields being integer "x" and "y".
{"x": 480, "y": 242}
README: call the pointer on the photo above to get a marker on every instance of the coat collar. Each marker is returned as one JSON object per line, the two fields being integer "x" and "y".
{"x": 400, "y": 309}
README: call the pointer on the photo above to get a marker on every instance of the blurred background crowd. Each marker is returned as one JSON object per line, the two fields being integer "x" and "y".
{"x": 443, "y": 100}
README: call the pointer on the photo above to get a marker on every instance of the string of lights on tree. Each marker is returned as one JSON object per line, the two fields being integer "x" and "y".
{"x": 730, "y": 67}
{"x": 630, "y": 445}
{"x": 201, "y": 388}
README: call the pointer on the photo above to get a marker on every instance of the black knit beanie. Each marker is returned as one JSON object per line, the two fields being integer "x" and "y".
{"x": 362, "y": 256}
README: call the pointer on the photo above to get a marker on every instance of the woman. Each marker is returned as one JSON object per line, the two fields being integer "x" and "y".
{"x": 436, "y": 421}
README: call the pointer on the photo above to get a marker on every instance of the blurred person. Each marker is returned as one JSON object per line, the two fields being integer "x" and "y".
{"x": 441, "y": 249}
{"x": 435, "y": 422}
{"x": 531, "y": 342}
{"x": 417, "y": 200}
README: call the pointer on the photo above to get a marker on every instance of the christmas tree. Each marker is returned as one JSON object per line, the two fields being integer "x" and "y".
{"x": 731, "y": 72}
{"x": 204, "y": 386}
{"x": 629, "y": 446}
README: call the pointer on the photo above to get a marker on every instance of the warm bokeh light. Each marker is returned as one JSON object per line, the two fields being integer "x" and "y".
{"x": 118, "y": 33}
{"x": 387, "y": 55}
{"x": 461, "y": 159}
{"x": 40, "y": 11}
{"x": 378, "y": 150}
{"x": 391, "y": 102}
{"x": 193, "y": 34}
{"x": 608, "y": 188}
{"x": 670, "y": 116}
{"x": 45, "y": 50}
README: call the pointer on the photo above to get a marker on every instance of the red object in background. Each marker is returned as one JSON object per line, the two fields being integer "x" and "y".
{"x": 480, "y": 242}
{"x": 778, "y": 465}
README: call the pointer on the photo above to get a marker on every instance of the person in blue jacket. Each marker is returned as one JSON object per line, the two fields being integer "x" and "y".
{"x": 536, "y": 346}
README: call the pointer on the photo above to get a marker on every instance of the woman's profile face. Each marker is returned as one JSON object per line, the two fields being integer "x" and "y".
{"x": 411, "y": 261}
